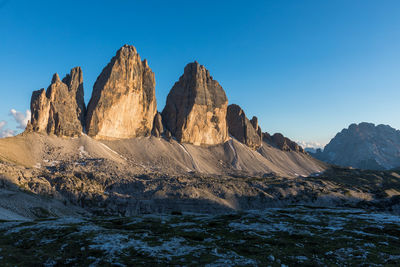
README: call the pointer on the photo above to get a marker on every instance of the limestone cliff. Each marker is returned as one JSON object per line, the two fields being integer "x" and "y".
{"x": 60, "y": 109}
{"x": 123, "y": 103}
{"x": 196, "y": 108}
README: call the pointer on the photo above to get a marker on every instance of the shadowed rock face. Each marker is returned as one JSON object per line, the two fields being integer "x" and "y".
{"x": 246, "y": 131}
{"x": 364, "y": 146}
{"x": 158, "y": 127}
{"x": 123, "y": 103}
{"x": 283, "y": 143}
{"x": 60, "y": 110}
{"x": 196, "y": 107}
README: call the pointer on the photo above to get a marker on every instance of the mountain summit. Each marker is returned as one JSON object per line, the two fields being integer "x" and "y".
{"x": 196, "y": 107}
{"x": 60, "y": 109}
{"x": 364, "y": 146}
{"x": 123, "y": 103}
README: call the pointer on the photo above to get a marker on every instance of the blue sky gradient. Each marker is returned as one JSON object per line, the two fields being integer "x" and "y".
{"x": 307, "y": 69}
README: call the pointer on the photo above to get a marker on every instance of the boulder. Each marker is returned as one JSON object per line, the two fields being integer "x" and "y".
{"x": 123, "y": 102}
{"x": 196, "y": 108}
{"x": 241, "y": 128}
{"x": 59, "y": 110}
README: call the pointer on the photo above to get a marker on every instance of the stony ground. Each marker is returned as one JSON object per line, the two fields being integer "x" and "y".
{"x": 292, "y": 236}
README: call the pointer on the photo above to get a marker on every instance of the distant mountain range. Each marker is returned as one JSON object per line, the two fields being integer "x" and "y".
{"x": 364, "y": 146}
{"x": 310, "y": 147}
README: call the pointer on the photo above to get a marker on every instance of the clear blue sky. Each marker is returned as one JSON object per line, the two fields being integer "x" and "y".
{"x": 305, "y": 68}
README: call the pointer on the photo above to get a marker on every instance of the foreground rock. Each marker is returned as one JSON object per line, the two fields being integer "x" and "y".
{"x": 196, "y": 107}
{"x": 364, "y": 146}
{"x": 59, "y": 110}
{"x": 246, "y": 131}
{"x": 123, "y": 103}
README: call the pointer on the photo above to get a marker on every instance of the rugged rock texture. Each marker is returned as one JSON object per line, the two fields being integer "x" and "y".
{"x": 158, "y": 127}
{"x": 74, "y": 81}
{"x": 364, "y": 146}
{"x": 196, "y": 107}
{"x": 60, "y": 110}
{"x": 246, "y": 131}
{"x": 123, "y": 103}
{"x": 283, "y": 143}
{"x": 254, "y": 122}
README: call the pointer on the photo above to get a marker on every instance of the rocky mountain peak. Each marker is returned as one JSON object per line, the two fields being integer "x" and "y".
{"x": 196, "y": 108}
{"x": 55, "y": 79}
{"x": 364, "y": 145}
{"x": 123, "y": 103}
{"x": 60, "y": 109}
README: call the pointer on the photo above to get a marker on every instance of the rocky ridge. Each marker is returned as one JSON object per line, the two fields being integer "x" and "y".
{"x": 364, "y": 146}
{"x": 282, "y": 142}
{"x": 246, "y": 131}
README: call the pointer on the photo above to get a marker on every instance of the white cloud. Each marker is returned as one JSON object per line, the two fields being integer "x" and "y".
{"x": 306, "y": 144}
{"x": 5, "y": 132}
{"x": 21, "y": 118}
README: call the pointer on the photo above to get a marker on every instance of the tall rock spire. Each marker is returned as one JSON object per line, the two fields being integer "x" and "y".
{"x": 196, "y": 106}
{"x": 59, "y": 110}
{"x": 123, "y": 103}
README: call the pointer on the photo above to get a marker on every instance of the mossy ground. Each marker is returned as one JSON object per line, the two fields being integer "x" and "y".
{"x": 293, "y": 236}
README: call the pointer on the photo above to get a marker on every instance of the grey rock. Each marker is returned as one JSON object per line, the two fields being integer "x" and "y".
{"x": 364, "y": 146}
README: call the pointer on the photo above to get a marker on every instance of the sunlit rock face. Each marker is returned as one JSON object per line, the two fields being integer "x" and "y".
{"x": 246, "y": 131}
{"x": 123, "y": 103}
{"x": 196, "y": 108}
{"x": 60, "y": 109}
